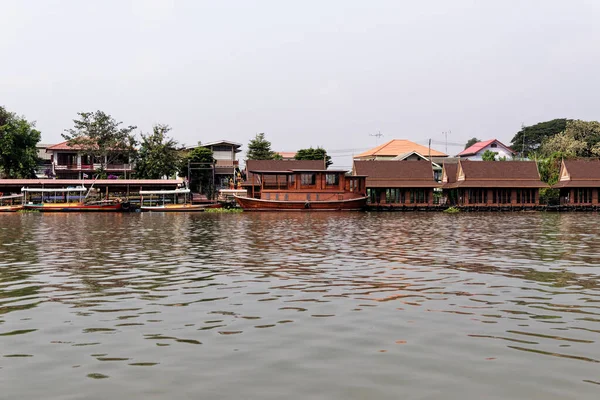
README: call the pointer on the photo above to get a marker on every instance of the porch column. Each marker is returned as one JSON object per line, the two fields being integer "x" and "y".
{"x": 595, "y": 196}
{"x": 513, "y": 196}
{"x": 382, "y": 196}
{"x": 571, "y": 196}
{"x": 430, "y": 197}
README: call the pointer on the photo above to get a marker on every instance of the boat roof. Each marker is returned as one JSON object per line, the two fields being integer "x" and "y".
{"x": 176, "y": 191}
{"x": 11, "y": 196}
{"x": 55, "y": 190}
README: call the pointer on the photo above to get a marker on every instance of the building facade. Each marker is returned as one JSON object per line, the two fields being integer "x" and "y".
{"x": 579, "y": 182}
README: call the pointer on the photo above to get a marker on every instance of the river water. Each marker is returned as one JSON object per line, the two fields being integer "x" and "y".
{"x": 300, "y": 305}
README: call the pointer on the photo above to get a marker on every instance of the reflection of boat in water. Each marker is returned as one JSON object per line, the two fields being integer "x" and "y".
{"x": 177, "y": 200}
{"x": 11, "y": 203}
{"x": 66, "y": 199}
{"x": 305, "y": 190}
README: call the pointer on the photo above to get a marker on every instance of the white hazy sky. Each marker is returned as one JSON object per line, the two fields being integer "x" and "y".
{"x": 307, "y": 73}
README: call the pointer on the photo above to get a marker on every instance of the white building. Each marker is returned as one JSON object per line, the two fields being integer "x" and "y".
{"x": 475, "y": 151}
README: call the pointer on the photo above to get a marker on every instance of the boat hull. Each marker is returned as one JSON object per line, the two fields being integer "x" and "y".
{"x": 11, "y": 208}
{"x": 74, "y": 207}
{"x": 250, "y": 204}
{"x": 178, "y": 208}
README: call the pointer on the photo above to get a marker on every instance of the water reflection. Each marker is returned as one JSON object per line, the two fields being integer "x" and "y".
{"x": 247, "y": 293}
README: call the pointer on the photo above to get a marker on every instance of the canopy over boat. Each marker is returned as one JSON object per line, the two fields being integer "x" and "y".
{"x": 11, "y": 196}
{"x": 55, "y": 190}
{"x": 159, "y": 192}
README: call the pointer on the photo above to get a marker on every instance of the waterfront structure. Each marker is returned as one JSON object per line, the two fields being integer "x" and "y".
{"x": 305, "y": 190}
{"x": 44, "y": 167}
{"x": 475, "y": 151}
{"x": 579, "y": 182}
{"x": 226, "y": 163}
{"x": 71, "y": 162}
{"x": 398, "y": 148}
{"x": 398, "y": 183}
{"x": 176, "y": 200}
{"x": 492, "y": 183}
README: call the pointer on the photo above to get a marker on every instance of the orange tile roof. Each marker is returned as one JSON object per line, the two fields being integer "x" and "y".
{"x": 396, "y": 147}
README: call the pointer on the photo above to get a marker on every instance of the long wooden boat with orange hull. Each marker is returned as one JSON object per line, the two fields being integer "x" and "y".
{"x": 11, "y": 203}
{"x": 67, "y": 200}
{"x": 305, "y": 190}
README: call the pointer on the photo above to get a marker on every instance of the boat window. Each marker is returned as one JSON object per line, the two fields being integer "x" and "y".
{"x": 332, "y": 179}
{"x": 308, "y": 179}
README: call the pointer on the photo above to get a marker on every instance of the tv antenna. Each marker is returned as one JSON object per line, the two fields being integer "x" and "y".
{"x": 377, "y": 136}
{"x": 446, "y": 135}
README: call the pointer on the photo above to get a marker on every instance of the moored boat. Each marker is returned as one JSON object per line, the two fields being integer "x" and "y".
{"x": 69, "y": 199}
{"x": 11, "y": 203}
{"x": 305, "y": 190}
{"x": 177, "y": 200}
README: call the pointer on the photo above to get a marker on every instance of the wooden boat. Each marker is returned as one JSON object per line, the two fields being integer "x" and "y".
{"x": 11, "y": 203}
{"x": 305, "y": 190}
{"x": 178, "y": 200}
{"x": 69, "y": 199}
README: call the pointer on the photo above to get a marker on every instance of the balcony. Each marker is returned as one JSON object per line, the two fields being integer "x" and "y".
{"x": 93, "y": 167}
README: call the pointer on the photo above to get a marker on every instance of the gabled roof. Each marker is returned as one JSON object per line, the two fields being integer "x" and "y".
{"x": 287, "y": 154}
{"x": 394, "y": 174}
{"x": 396, "y": 147}
{"x": 63, "y": 146}
{"x": 449, "y": 173}
{"x": 403, "y": 157}
{"x": 496, "y": 174}
{"x": 236, "y": 145}
{"x": 477, "y": 147}
{"x": 579, "y": 173}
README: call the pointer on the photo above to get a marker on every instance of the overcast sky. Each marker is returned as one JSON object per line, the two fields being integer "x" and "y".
{"x": 307, "y": 73}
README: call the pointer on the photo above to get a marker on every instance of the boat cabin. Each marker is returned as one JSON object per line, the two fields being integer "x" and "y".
{"x": 305, "y": 185}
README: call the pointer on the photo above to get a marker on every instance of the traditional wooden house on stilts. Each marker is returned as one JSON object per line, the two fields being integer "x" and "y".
{"x": 579, "y": 183}
{"x": 492, "y": 184}
{"x": 398, "y": 184}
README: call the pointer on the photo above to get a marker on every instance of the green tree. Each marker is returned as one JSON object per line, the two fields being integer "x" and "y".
{"x": 18, "y": 140}
{"x": 314, "y": 154}
{"x": 530, "y": 138}
{"x": 99, "y": 135}
{"x": 158, "y": 155}
{"x": 587, "y": 132}
{"x": 198, "y": 166}
{"x": 488, "y": 155}
{"x": 563, "y": 144}
{"x": 259, "y": 148}
{"x": 471, "y": 142}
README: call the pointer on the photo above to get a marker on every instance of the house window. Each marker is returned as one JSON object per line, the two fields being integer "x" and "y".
{"x": 419, "y": 196}
{"x": 493, "y": 145}
{"x": 582, "y": 196}
{"x": 501, "y": 196}
{"x": 308, "y": 179}
{"x": 477, "y": 196}
{"x": 392, "y": 196}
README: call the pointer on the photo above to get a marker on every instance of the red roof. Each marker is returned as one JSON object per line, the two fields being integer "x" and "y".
{"x": 477, "y": 147}
{"x": 63, "y": 146}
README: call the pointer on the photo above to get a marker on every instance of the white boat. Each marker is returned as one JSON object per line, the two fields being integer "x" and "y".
{"x": 176, "y": 200}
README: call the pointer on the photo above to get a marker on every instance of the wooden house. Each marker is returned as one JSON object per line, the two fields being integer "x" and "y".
{"x": 398, "y": 183}
{"x": 579, "y": 182}
{"x": 492, "y": 183}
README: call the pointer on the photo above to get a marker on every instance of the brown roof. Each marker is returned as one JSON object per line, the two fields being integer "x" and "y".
{"x": 396, "y": 173}
{"x": 579, "y": 173}
{"x": 501, "y": 174}
{"x": 396, "y": 147}
{"x": 449, "y": 173}
{"x": 281, "y": 165}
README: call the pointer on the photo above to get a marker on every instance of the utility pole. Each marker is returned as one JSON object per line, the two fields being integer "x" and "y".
{"x": 377, "y": 136}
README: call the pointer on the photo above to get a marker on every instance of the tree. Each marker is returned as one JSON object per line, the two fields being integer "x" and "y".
{"x": 488, "y": 155}
{"x": 198, "y": 166}
{"x": 100, "y": 136}
{"x": 564, "y": 145}
{"x": 259, "y": 148}
{"x": 530, "y": 138}
{"x": 314, "y": 154}
{"x": 587, "y": 132}
{"x": 158, "y": 155}
{"x": 18, "y": 140}
{"x": 471, "y": 142}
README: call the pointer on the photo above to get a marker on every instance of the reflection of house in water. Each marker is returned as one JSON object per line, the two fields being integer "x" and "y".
{"x": 398, "y": 183}
{"x": 492, "y": 183}
{"x": 579, "y": 182}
